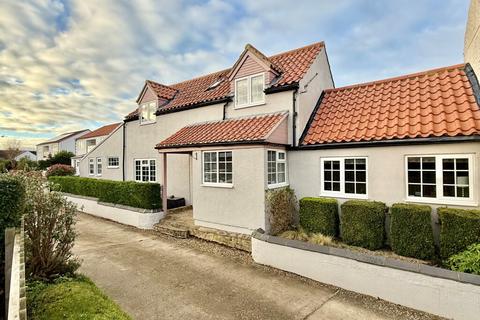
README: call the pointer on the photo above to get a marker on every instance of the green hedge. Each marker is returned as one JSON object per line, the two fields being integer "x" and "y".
{"x": 411, "y": 232}
{"x": 129, "y": 193}
{"x": 458, "y": 229}
{"x": 319, "y": 215}
{"x": 12, "y": 194}
{"x": 362, "y": 223}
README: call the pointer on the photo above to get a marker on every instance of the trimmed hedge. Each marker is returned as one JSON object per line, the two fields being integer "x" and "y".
{"x": 319, "y": 215}
{"x": 362, "y": 223}
{"x": 458, "y": 229}
{"x": 129, "y": 193}
{"x": 411, "y": 232}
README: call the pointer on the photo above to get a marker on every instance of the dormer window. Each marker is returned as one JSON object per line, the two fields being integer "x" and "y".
{"x": 249, "y": 91}
{"x": 147, "y": 113}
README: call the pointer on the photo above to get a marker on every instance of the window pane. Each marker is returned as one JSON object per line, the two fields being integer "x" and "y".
{"x": 463, "y": 192}
{"x": 449, "y": 191}
{"x": 361, "y": 176}
{"x": 361, "y": 188}
{"x": 448, "y": 177}
{"x": 327, "y": 186}
{"x": 428, "y": 163}
{"x": 462, "y": 164}
{"x": 349, "y": 187}
{"x": 414, "y": 190}
{"x": 336, "y": 165}
{"x": 328, "y": 176}
{"x": 281, "y": 177}
{"x": 241, "y": 94}
{"x": 428, "y": 176}
{"x": 349, "y": 175}
{"x": 414, "y": 163}
{"x": 349, "y": 164}
{"x": 414, "y": 176}
{"x": 336, "y": 186}
{"x": 327, "y": 165}
{"x": 257, "y": 89}
{"x": 336, "y": 175}
{"x": 429, "y": 191}
{"x": 281, "y": 155}
{"x": 361, "y": 164}
{"x": 448, "y": 164}
{"x": 462, "y": 177}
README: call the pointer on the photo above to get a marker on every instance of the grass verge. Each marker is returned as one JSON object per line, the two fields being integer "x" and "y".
{"x": 70, "y": 298}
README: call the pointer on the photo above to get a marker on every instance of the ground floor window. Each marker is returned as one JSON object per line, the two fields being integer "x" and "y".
{"x": 276, "y": 168}
{"x": 145, "y": 170}
{"x": 99, "y": 167}
{"x": 113, "y": 162}
{"x": 440, "y": 177}
{"x": 344, "y": 177}
{"x": 217, "y": 167}
{"x": 91, "y": 166}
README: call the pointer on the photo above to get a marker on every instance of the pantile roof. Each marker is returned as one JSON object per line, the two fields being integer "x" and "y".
{"x": 433, "y": 103}
{"x": 254, "y": 129}
{"x": 102, "y": 131}
{"x": 293, "y": 65}
{"x": 62, "y": 137}
{"x": 161, "y": 90}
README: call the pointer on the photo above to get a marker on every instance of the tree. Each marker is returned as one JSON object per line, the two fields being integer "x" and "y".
{"x": 62, "y": 157}
{"x": 12, "y": 148}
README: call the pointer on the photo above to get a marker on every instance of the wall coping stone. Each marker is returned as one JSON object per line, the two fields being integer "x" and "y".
{"x": 389, "y": 262}
{"x": 113, "y": 205}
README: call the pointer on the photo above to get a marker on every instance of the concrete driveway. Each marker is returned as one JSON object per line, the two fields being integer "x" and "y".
{"x": 156, "y": 277}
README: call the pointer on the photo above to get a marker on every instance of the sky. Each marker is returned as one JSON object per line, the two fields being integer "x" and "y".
{"x": 70, "y": 65}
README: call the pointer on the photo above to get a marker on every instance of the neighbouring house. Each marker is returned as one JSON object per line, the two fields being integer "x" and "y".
{"x": 89, "y": 141}
{"x": 472, "y": 36}
{"x": 63, "y": 142}
{"x": 29, "y": 154}
{"x": 225, "y": 134}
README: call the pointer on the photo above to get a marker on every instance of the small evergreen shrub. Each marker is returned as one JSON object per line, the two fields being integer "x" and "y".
{"x": 60, "y": 170}
{"x": 458, "y": 229}
{"x": 281, "y": 208}
{"x": 319, "y": 215}
{"x": 362, "y": 223}
{"x": 411, "y": 232}
{"x": 129, "y": 193}
{"x": 466, "y": 261}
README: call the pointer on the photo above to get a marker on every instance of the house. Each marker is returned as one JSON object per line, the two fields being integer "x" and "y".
{"x": 472, "y": 36}
{"x": 30, "y": 155}
{"x": 63, "y": 142}
{"x": 87, "y": 142}
{"x": 413, "y": 138}
{"x": 219, "y": 140}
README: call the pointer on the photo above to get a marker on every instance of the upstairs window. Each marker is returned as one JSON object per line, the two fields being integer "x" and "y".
{"x": 249, "y": 90}
{"x": 276, "y": 168}
{"x": 147, "y": 113}
{"x": 91, "y": 144}
{"x": 440, "y": 178}
{"x": 344, "y": 177}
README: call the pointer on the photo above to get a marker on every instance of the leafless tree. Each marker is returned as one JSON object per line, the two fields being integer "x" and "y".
{"x": 12, "y": 148}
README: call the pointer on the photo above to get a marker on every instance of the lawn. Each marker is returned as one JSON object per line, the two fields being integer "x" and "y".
{"x": 70, "y": 298}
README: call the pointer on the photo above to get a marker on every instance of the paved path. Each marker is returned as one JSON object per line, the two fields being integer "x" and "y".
{"x": 153, "y": 277}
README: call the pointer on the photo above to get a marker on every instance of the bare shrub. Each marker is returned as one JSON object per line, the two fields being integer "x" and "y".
{"x": 49, "y": 230}
{"x": 281, "y": 209}
{"x": 318, "y": 238}
{"x": 300, "y": 235}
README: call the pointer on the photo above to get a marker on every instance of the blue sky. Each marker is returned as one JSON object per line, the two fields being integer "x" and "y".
{"x": 68, "y": 65}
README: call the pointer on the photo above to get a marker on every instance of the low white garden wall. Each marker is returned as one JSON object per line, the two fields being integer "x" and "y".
{"x": 424, "y": 288}
{"x": 137, "y": 217}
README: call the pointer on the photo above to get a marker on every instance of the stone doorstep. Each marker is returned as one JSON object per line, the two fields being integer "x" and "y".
{"x": 171, "y": 231}
{"x": 230, "y": 239}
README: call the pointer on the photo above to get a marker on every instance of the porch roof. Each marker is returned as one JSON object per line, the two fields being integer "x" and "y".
{"x": 253, "y": 129}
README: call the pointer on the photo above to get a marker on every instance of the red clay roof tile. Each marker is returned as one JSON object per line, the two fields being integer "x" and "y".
{"x": 432, "y": 103}
{"x": 102, "y": 131}
{"x": 236, "y": 130}
{"x": 293, "y": 63}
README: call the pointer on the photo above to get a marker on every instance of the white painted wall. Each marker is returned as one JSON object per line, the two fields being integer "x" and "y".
{"x": 442, "y": 297}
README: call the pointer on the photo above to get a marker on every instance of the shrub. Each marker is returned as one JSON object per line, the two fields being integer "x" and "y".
{"x": 62, "y": 157}
{"x": 60, "y": 170}
{"x": 26, "y": 164}
{"x": 466, "y": 261}
{"x": 362, "y": 223}
{"x": 411, "y": 232}
{"x": 319, "y": 215}
{"x": 281, "y": 208}
{"x": 458, "y": 229}
{"x": 318, "y": 238}
{"x": 129, "y": 193}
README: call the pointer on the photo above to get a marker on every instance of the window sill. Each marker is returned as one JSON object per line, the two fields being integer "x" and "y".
{"x": 113, "y": 167}
{"x": 249, "y": 105}
{"x": 218, "y": 185}
{"x": 466, "y": 203}
{"x": 147, "y": 123}
{"x": 344, "y": 195}
{"x": 277, "y": 185}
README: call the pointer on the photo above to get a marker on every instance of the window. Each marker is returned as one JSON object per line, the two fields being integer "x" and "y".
{"x": 145, "y": 170}
{"x": 46, "y": 151}
{"x": 276, "y": 168}
{"x": 91, "y": 144}
{"x": 344, "y": 177}
{"x": 249, "y": 90}
{"x": 91, "y": 166}
{"x": 113, "y": 162}
{"x": 218, "y": 168}
{"x": 440, "y": 178}
{"x": 99, "y": 166}
{"x": 147, "y": 113}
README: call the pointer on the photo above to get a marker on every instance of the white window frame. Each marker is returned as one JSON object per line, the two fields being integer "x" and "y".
{"x": 145, "y": 105}
{"x": 249, "y": 91}
{"x": 90, "y": 162}
{"x": 216, "y": 184}
{"x": 141, "y": 172}
{"x": 342, "y": 193}
{"x": 440, "y": 199}
{"x": 113, "y": 167}
{"x": 277, "y": 161}
{"x": 97, "y": 162}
